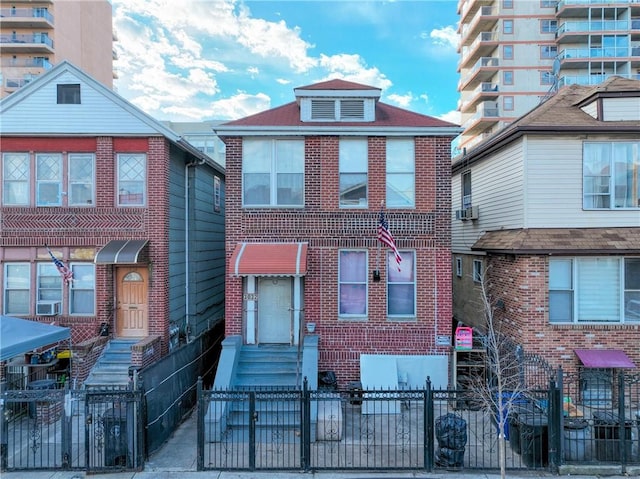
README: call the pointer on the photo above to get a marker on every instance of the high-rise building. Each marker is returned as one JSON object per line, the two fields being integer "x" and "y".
{"x": 515, "y": 53}
{"x": 37, "y": 34}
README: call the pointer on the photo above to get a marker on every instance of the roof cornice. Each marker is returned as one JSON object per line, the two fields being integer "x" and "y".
{"x": 234, "y": 130}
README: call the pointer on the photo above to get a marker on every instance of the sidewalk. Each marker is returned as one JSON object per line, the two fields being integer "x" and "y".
{"x": 177, "y": 459}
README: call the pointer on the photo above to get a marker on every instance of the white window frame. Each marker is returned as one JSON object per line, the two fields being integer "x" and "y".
{"x": 21, "y": 181}
{"x": 408, "y": 258}
{"x": 11, "y": 287}
{"x": 273, "y": 168}
{"x": 362, "y": 282}
{"x": 87, "y": 183}
{"x": 50, "y": 290}
{"x": 353, "y": 163}
{"x": 81, "y": 284}
{"x": 49, "y": 185}
{"x": 478, "y": 270}
{"x": 459, "y": 266}
{"x": 131, "y": 185}
{"x": 465, "y": 193}
{"x": 401, "y": 172}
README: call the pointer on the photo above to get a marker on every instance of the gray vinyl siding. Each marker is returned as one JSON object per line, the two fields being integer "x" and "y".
{"x": 177, "y": 269}
{"x": 621, "y": 109}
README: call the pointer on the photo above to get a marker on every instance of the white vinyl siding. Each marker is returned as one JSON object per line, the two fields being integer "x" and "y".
{"x": 621, "y": 109}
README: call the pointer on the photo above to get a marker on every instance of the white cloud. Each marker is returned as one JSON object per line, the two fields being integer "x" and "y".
{"x": 451, "y": 116}
{"x": 403, "y": 101}
{"x": 446, "y": 37}
{"x": 352, "y": 67}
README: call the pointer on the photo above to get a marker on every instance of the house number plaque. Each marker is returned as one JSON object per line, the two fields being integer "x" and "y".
{"x": 250, "y": 296}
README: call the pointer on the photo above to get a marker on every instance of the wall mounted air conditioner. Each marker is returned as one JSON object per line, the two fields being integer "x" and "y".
{"x": 461, "y": 214}
{"x": 48, "y": 308}
{"x": 472, "y": 213}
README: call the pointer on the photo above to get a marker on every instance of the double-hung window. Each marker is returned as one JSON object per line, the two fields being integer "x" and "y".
{"x": 401, "y": 176}
{"x": 401, "y": 285}
{"x": 466, "y": 190}
{"x": 15, "y": 179}
{"x": 353, "y": 172}
{"x": 132, "y": 179}
{"x": 49, "y": 283}
{"x": 81, "y": 179}
{"x": 611, "y": 175}
{"x": 352, "y": 283}
{"x": 273, "y": 172}
{"x": 594, "y": 290}
{"x": 17, "y": 288}
{"x": 48, "y": 179}
{"x": 82, "y": 292}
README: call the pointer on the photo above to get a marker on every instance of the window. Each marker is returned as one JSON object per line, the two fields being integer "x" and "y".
{"x": 548, "y": 3}
{"x": 352, "y": 283}
{"x": 49, "y": 283}
{"x": 548, "y": 51}
{"x": 81, "y": 179}
{"x": 466, "y": 190}
{"x": 69, "y": 94}
{"x": 48, "y": 179}
{"x": 507, "y": 3}
{"x": 594, "y": 289}
{"x": 273, "y": 172}
{"x": 548, "y": 26}
{"x": 546, "y": 78}
{"x": 216, "y": 193}
{"x": 82, "y": 290}
{"x": 15, "y": 178}
{"x": 131, "y": 179}
{"x": 507, "y": 27}
{"x": 507, "y": 77}
{"x": 507, "y": 52}
{"x": 478, "y": 272}
{"x": 507, "y": 103}
{"x": 611, "y": 175}
{"x": 400, "y": 173}
{"x": 17, "y": 293}
{"x": 401, "y": 285}
{"x": 353, "y": 172}
{"x": 459, "y": 267}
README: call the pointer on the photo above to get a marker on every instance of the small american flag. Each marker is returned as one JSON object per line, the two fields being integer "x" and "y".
{"x": 66, "y": 273}
{"x": 385, "y": 236}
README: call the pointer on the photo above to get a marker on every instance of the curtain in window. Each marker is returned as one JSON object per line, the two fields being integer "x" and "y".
{"x": 401, "y": 285}
{"x": 353, "y": 283}
{"x": 598, "y": 289}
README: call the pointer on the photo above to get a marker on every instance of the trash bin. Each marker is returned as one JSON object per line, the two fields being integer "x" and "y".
{"x": 40, "y": 384}
{"x": 115, "y": 437}
{"x": 518, "y": 401}
{"x": 514, "y": 423}
{"x": 451, "y": 433}
{"x": 534, "y": 439}
{"x": 577, "y": 440}
{"x": 606, "y": 429}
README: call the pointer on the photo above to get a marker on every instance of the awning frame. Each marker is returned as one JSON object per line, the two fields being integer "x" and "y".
{"x": 292, "y": 262}
{"x": 604, "y": 358}
{"x": 121, "y": 252}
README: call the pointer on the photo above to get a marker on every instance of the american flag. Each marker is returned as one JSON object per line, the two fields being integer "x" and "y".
{"x": 66, "y": 273}
{"x": 385, "y": 236}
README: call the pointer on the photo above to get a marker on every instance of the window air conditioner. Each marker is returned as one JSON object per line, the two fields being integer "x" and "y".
{"x": 48, "y": 308}
{"x": 472, "y": 213}
{"x": 461, "y": 214}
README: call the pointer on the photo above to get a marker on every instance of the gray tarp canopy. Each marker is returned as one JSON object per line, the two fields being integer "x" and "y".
{"x": 19, "y": 336}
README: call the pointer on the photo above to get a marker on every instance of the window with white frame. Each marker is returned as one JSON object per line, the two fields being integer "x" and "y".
{"x": 216, "y": 193}
{"x": 49, "y": 283}
{"x": 459, "y": 267}
{"x": 81, "y": 179}
{"x": 353, "y": 172}
{"x": 15, "y": 179}
{"x": 611, "y": 175}
{"x": 478, "y": 271}
{"x": 401, "y": 174}
{"x": 466, "y": 190}
{"x": 401, "y": 285}
{"x": 17, "y": 288}
{"x": 273, "y": 172}
{"x": 352, "y": 283}
{"x": 48, "y": 179}
{"x": 82, "y": 291}
{"x": 132, "y": 179}
{"x": 548, "y": 3}
{"x": 594, "y": 290}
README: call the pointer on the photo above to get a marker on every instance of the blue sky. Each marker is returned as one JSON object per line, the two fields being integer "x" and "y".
{"x": 193, "y": 60}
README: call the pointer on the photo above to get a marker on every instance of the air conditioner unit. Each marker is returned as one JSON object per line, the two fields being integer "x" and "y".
{"x": 48, "y": 308}
{"x": 472, "y": 213}
{"x": 461, "y": 214}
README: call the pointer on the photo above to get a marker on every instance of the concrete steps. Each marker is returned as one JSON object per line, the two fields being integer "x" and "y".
{"x": 112, "y": 368}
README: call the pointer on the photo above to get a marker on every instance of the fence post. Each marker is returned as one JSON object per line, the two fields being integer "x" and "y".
{"x": 200, "y": 407}
{"x": 253, "y": 418}
{"x": 622, "y": 420}
{"x": 555, "y": 423}
{"x": 4, "y": 430}
{"x": 66, "y": 434}
{"x": 306, "y": 421}
{"x": 427, "y": 429}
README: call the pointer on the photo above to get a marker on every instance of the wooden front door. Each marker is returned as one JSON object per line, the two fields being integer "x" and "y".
{"x": 274, "y": 310}
{"x": 132, "y": 319}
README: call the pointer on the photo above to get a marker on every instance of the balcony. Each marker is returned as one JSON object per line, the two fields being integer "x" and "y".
{"x": 580, "y": 8}
{"x": 592, "y": 79}
{"x": 26, "y": 63}
{"x": 484, "y": 20}
{"x": 26, "y": 18}
{"x": 578, "y": 32}
{"x": 468, "y": 8}
{"x": 482, "y": 46}
{"x": 485, "y": 117}
{"x": 582, "y": 57}
{"x": 12, "y": 84}
{"x": 483, "y": 92}
{"x": 482, "y": 71}
{"x": 27, "y": 43}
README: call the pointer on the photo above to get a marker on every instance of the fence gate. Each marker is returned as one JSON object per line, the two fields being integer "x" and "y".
{"x": 113, "y": 436}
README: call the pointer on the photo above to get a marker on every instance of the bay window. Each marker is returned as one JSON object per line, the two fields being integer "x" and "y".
{"x": 401, "y": 285}
{"x": 352, "y": 283}
{"x": 594, "y": 289}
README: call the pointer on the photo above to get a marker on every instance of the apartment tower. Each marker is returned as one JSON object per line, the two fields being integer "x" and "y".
{"x": 515, "y": 53}
{"x": 37, "y": 34}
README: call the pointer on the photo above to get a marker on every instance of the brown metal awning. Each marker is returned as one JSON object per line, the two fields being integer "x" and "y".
{"x": 269, "y": 259}
{"x": 604, "y": 358}
{"x": 120, "y": 252}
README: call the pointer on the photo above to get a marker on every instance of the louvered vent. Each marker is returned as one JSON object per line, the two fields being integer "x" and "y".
{"x": 323, "y": 110}
{"x": 352, "y": 109}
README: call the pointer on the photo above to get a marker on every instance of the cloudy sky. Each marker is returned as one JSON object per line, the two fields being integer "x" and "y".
{"x": 192, "y": 60}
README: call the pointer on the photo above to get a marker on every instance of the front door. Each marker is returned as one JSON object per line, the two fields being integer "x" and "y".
{"x": 274, "y": 310}
{"x": 131, "y": 296}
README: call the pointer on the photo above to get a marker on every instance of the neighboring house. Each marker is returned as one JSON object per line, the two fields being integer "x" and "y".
{"x": 305, "y": 185}
{"x": 547, "y": 213}
{"x": 133, "y": 211}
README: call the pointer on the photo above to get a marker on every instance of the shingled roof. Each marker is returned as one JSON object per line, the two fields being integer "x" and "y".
{"x": 560, "y": 241}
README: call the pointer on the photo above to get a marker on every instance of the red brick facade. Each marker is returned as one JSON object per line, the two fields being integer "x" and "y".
{"x": 328, "y": 228}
